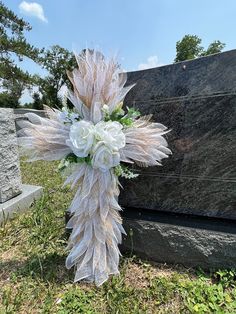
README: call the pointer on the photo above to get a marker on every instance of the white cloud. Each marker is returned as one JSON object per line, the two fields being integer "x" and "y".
{"x": 152, "y": 62}
{"x": 33, "y": 9}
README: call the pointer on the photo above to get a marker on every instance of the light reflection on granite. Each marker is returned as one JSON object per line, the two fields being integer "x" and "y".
{"x": 199, "y": 105}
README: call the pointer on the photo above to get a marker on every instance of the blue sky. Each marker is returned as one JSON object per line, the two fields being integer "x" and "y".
{"x": 142, "y": 32}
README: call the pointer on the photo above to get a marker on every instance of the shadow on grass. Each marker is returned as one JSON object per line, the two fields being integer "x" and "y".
{"x": 8, "y": 267}
{"x": 48, "y": 268}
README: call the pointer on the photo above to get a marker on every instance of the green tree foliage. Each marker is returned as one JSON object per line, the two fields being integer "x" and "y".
{"x": 37, "y": 102}
{"x": 189, "y": 47}
{"x": 215, "y": 47}
{"x": 8, "y": 100}
{"x": 56, "y": 61}
{"x": 13, "y": 45}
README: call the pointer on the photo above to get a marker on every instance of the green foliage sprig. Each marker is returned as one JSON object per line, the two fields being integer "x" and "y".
{"x": 127, "y": 120}
{"x": 125, "y": 172}
{"x": 73, "y": 159}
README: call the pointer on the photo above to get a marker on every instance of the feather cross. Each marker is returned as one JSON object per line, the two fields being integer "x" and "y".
{"x": 93, "y": 141}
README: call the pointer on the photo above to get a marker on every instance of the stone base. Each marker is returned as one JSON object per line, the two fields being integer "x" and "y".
{"x": 20, "y": 202}
{"x": 180, "y": 239}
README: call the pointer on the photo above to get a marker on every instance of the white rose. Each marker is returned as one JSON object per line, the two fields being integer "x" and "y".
{"x": 104, "y": 158}
{"x": 81, "y": 137}
{"x": 110, "y": 133}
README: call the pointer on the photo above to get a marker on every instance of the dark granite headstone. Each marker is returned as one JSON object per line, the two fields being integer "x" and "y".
{"x": 197, "y": 101}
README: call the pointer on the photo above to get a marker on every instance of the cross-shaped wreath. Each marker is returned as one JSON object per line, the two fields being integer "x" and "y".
{"x": 93, "y": 141}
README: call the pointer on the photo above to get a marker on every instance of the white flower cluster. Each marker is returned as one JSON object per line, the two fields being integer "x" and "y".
{"x": 101, "y": 142}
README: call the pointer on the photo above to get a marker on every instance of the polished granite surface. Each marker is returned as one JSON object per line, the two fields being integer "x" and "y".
{"x": 197, "y": 101}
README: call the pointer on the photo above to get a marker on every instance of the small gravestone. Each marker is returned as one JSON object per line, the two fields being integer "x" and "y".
{"x": 14, "y": 195}
{"x": 10, "y": 178}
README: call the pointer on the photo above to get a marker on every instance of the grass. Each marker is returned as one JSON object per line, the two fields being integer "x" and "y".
{"x": 33, "y": 278}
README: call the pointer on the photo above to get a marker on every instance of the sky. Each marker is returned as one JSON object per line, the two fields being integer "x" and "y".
{"x": 143, "y": 33}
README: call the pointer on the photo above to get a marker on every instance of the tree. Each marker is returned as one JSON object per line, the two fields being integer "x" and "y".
{"x": 215, "y": 47}
{"x": 189, "y": 47}
{"x": 13, "y": 45}
{"x": 37, "y": 103}
{"x": 8, "y": 101}
{"x": 56, "y": 61}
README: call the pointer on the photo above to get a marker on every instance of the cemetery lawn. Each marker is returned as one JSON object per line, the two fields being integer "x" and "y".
{"x": 33, "y": 278}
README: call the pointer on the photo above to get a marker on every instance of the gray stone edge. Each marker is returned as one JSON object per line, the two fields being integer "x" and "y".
{"x": 20, "y": 203}
{"x": 173, "y": 244}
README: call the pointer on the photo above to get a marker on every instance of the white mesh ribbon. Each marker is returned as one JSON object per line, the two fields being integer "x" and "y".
{"x": 95, "y": 221}
{"x": 96, "y": 225}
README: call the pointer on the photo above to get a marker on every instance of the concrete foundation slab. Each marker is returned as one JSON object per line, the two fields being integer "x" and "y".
{"x": 22, "y": 202}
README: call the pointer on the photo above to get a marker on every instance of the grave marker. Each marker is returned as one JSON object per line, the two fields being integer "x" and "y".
{"x": 10, "y": 177}
{"x": 185, "y": 211}
{"x": 14, "y": 196}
